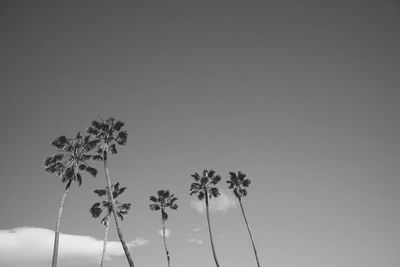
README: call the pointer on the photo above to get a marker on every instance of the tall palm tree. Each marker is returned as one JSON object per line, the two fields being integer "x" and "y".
{"x": 163, "y": 201}
{"x": 108, "y": 132}
{"x": 97, "y": 209}
{"x": 68, "y": 164}
{"x": 204, "y": 187}
{"x": 238, "y": 182}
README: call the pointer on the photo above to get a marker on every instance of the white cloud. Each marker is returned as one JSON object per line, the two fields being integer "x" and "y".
{"x": 197, "y": 229}
{"x": 195, "y": 240}
{"x": 220, "y": 204}
{"x": 167, "y": 232}
{"x": 29, "y": 246}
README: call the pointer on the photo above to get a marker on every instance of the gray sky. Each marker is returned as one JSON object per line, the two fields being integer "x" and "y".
{"x": 302, "y": 97}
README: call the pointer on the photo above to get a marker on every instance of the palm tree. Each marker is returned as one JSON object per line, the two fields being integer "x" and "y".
{"x": 163, "y": 201}
{"x": 238, "y": 182}
{"x": 204, "y": 187}
{"x": 97, "y": 209}
{"x": 68, "y": 164}
{"x": 108, "y": 133}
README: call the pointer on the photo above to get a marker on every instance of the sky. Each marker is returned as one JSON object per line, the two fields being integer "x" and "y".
{"x": 302, "y": 96}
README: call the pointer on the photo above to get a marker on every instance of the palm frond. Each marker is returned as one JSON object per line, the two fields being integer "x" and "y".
{"x": 164, "y": 215}
{"x": 113, "y": 149}
{"x": 154, "y": 206}
{"x": 122, "y": 138}
{"x": 196, "y": 176}
{"x": 95, "y": 210}
{"x": 118, "y": 125}
{"x": 100, "y": 192}
{"x": 241, "y": 175}
{"x": 210, "y": 174}
{"x": 216, "y": 179}
{"x": 214, "y": 192}
{"x": 201, "y": 195}
{"x": 60, "y": 142}
{"x": 91, "y": 170}
{"x": 246, "y": 182}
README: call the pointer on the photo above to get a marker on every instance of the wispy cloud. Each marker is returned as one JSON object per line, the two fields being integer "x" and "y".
{"x": 167, "y": 232}
{"x": 197, "y": 229}
{"x": 195, "y": 240}
{"x": 34, "y": 247}
{"x": 220, "y": 204}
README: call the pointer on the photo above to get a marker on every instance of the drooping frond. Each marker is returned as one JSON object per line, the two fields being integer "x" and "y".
{"x": 91, "y": 170}
{"x": 164, "y": 215}
{"x": 96, "y": 210}
{"x": 201, "y": 195}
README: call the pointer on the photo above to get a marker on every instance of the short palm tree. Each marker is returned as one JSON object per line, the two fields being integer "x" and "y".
{"x": 163, "y": 201}
{"x": 68, "y": 164}
{"x": 204, "y": 187}
{"x": 238, "y": 182}
{"x": 97, "y": 209}
{"x": 108, "y": 132}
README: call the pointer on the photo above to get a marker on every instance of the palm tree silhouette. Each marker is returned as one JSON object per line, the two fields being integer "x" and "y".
{"x": 238, "y": 182}
{"x": 108, "y": 133}
{"x": 204, "y": 187}
{"x": 68, "y": 164}
{"x": 97, "y": 209}
{"x": 163, "y": 201}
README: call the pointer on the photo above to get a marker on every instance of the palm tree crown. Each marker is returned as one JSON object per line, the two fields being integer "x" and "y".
{"x": 122, "y": 209}
{"x": 205, "y": 184}
{"x": 163, "y": 200}
{"x": 238, "y": 182}
{"x": 108, "y": 133}
{"x": 72, "y": 158}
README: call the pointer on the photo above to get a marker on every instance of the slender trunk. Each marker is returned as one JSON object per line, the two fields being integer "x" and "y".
{"x": 165, "y": 243}
{"x": 57, "y": 231}
{"x": 248, "y": 229}
{"x": 209, "y": 230}
{"x": 121, "y": 238}
{"x": 105, "y": 240}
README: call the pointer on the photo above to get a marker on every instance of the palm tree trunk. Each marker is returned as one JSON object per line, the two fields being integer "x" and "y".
{"x": 57, "y": 231}
{"x": 121, "y": 237}
{"x": 209, "y": 230}
{"x": 105, "y": 240}
{"x": 165, "y": 243}
{"x": 248, "y": 229}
